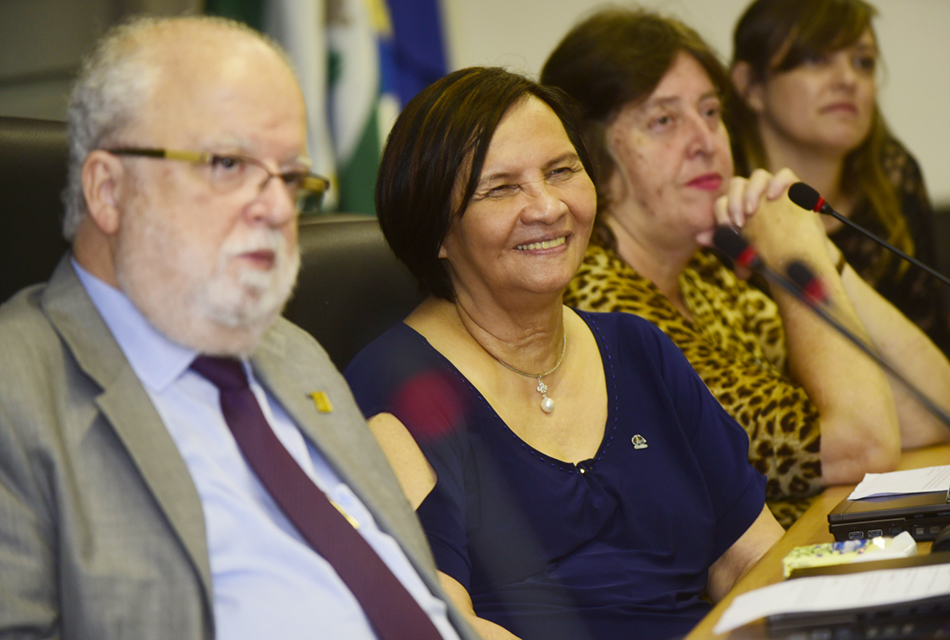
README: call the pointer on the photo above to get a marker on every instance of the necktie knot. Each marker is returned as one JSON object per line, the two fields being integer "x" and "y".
{"x": 227, "y": 374}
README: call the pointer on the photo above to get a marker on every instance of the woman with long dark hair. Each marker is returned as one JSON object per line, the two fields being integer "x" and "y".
{"x": 805, "y": 74}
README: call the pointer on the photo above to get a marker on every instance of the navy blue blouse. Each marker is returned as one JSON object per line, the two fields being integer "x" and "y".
{"x": 617, "y": 546}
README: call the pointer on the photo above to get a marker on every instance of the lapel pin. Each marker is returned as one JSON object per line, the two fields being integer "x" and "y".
{"x": 322, "y": 402}
{"x": 639, "y": 442}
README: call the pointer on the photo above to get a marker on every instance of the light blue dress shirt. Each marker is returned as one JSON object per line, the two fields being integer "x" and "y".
{"x": 267, "y": 582}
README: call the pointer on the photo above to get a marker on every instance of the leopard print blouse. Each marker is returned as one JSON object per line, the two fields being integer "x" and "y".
{"x": 736, "y": 342}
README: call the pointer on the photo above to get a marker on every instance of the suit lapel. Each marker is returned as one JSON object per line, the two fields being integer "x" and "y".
{"x": 129, "y": 411}
{"x": 345, "y": 443}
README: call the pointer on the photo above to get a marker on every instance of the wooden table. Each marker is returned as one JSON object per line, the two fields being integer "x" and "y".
{"x": 811, "y": 528}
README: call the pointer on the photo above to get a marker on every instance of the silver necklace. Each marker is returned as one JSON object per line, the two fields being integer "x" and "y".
{"x": 547, "y": 405}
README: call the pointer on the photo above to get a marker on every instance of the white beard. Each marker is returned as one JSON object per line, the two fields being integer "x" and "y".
{"x": 254, "y": 297}
{"x": 225, "y": 311}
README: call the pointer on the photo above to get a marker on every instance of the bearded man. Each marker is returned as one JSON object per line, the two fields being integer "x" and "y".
{"x": 139, "y": 386}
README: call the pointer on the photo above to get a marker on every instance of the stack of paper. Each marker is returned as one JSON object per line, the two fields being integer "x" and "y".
{"x": 836, "y": 592}
{"x": 924, "y": 480}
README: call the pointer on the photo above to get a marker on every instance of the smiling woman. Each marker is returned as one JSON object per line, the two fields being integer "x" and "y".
{"x": 526, "y": 226}
{"x": 522, "y": 431}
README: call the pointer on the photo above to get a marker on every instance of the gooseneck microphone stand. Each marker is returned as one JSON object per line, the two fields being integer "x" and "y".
{"x": 807, "y": 198}
{"x": 805, "y": 286}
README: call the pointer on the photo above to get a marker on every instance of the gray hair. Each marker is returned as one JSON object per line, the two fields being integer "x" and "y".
{"x": 114, "y": 86}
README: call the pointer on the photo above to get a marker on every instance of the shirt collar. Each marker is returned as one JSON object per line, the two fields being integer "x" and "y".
{"x": 155, "y": 359}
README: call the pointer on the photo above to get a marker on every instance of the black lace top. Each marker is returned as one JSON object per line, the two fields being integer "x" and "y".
{"x": 913, "y": 291}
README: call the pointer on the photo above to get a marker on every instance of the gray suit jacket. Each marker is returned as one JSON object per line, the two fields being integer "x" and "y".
{"x": 101, "y": 528}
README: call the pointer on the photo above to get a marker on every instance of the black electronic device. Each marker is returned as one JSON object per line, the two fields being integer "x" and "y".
{"x": 942, "y": 542}
{"x": 919, "y": 620}
{"x": 923, "y": 619}
{"x": 923, "y": 515}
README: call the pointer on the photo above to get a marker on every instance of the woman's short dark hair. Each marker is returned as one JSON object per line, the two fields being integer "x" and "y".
{"x": 614, "y": 58}
{"x": 434, "y": 156}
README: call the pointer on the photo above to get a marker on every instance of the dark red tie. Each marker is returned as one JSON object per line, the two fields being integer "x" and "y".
{"x": 393, "y": 612}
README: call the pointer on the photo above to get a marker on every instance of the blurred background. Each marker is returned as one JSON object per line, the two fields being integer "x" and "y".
{"x": 358, "y": 59}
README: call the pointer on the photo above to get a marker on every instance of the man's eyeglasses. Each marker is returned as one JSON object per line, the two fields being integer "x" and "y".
{"x": 233, "y": 172}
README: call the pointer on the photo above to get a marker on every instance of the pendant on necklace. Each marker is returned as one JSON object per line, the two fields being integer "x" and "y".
{"x": 547, "y": 405}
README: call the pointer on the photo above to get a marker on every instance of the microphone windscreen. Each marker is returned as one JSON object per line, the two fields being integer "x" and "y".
{"x": 728, "y": 240}
{"x": 804, "y": 196}
{"x": 805, "y": 279}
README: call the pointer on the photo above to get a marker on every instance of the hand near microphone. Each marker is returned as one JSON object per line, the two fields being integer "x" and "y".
{"x": 779, "y": 229}
{"x": 744, "y": 197}
{"x": 783, "y": 232}
{"x": 746, "y": 194}
{"x": 775, "y": 229}
{"x": 858, "y": 417}
{"x": 899, "y": 341}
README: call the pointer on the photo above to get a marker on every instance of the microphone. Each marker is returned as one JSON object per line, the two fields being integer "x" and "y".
{"x": 807, "y": 198}
{"x": 743, "y": 254}
{"x": 810, "y": 284}
{"x": 728, "y": 240}
{"x": 811, "y": 290}
{"x": 816, "y": 298}
{"x": 805, "y": 286}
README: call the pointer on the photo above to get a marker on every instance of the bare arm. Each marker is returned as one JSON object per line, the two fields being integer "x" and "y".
{"x": 463, "y": 602}
{"x": 743, "y": 554}
{"x": 415, "y": 474}
{"x": 859, "y": 426}
{"x": 896, "y": 338}
{"x": 901, "y": 343}
{"x": 417, "y": 479}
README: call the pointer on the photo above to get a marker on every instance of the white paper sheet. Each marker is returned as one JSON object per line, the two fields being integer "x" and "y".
{"x": 899, "y": 482}
{"x": 830, "y": 593}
